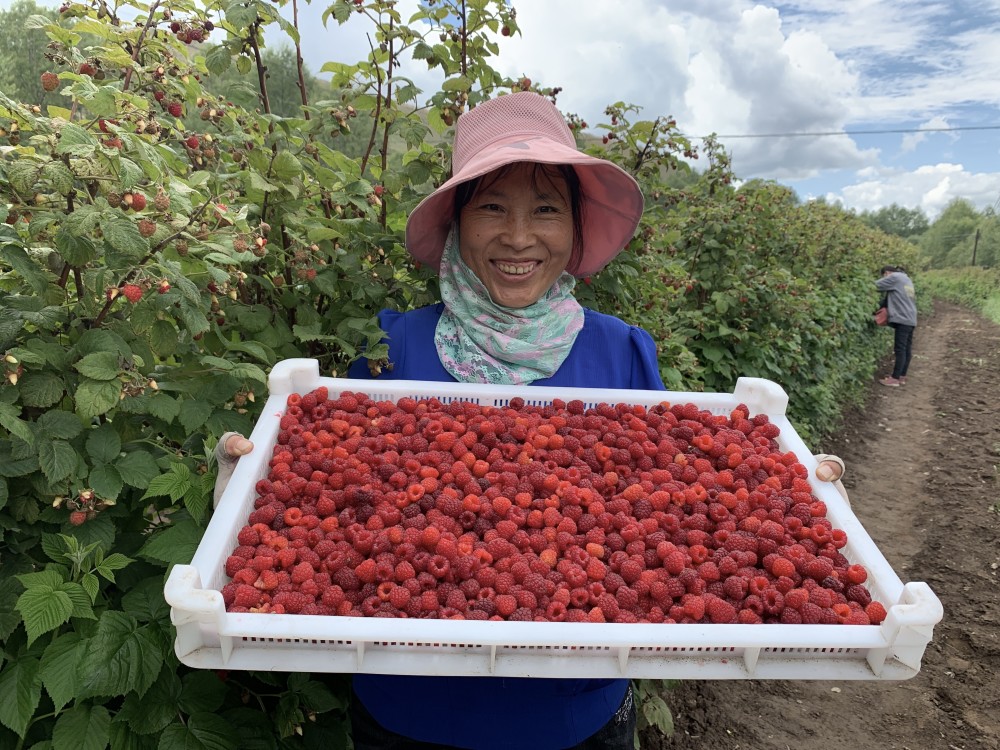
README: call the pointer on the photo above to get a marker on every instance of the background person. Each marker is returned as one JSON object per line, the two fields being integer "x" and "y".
{"x": 901, "y": 302}
{"x": 524, "y": 213}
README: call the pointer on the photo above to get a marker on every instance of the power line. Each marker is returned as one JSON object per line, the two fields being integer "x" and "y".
{"x": 885, "y": 131}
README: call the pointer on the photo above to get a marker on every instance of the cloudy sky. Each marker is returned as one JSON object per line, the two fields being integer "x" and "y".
{"x": 927, "y": 72}
{"x": 889, "y": 101}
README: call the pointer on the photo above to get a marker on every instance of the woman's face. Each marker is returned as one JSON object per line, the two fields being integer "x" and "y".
{"x": 517, "y": 233}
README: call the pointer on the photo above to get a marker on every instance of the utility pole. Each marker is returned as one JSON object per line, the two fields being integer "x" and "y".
{"x": 975, "y": 245}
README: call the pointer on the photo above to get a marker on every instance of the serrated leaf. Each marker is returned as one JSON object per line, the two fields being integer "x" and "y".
{"x": 21, "y": 687}
{"x": 121, "y": 656}
{"x": 204, "y": 731}
{"x": 243, "y": 64}
{"x": 106, "y": 481}
{"x": 59, "y": 176}
{"x": 95, "y": 397}
{"x": 247, "y": 371}
{"x": 130, "y": 174}
{"x": 111, "y": 563}
{"x": 201, "y": 691}
{"x": 164, "y": 407}
{"x": 176, "y": 544}
{"x": 103, "y": 444}
{"x": 11, "y": 421}
{"x": 26, "y": 268}
{"x": 144, "y": 601}
{"x": 174, "y": 484}
{"x": 99, "y": 366}
{"x": 57, "y": 459}
{"x": 41, "y": 389}
{"x": 254, "y": 181}
{"x": 218, "y": 59}
{"x": 163, "y": 338}
{"x": 83, "y": 727}
{"x": 72, "y": 135}
{"x": 157, "y": 708}
{"x": 91, "y": 585}
{"x": 59, "y": 668}
{"x": 196, "y": 503}
{"x": 285, "y": 166}
{"x": 23, "y": 175}
{"x": 77, "y": 250}
{"x": 193, "y": 414}
{"x": 137, "y": 469}
{"x": 44, "y": 608}
{"x": 123, "y": 235}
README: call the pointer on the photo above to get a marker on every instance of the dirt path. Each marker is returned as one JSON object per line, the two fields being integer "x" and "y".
{"x": 922, "y": 474}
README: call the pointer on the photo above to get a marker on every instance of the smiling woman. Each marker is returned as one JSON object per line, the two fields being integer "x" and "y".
{"x": 524, "y": 213}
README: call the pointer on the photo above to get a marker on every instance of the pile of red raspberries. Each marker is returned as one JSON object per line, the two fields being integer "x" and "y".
{"x": 558, "y": 513}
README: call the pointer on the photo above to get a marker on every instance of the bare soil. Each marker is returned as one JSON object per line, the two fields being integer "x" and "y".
{"x": 922, "y": 475}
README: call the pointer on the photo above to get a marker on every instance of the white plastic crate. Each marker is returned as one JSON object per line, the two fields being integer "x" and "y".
{"x": 210, "y": 637}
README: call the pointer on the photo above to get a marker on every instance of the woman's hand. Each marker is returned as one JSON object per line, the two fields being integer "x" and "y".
{"x": 832, "y": 469}
{"x": 230, "y": 447}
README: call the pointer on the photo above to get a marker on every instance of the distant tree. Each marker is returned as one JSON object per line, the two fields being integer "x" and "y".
{"x": 907, "y": 223}
{"x": 948, "y": 241}
{"x": 22, "y": 55}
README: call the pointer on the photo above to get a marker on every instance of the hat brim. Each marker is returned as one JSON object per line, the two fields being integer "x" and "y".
{"x": 613, "y": 201}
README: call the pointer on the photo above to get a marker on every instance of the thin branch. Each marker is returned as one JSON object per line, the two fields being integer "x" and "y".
{"x": 261, "y": 69}
{"x": 138, "y": 44}
{"x": 641, "y": 157}
{"x": 378, "y": 112}
{"x": 299, "y": 62}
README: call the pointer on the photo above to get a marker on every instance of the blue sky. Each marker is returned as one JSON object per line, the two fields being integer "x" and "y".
{"x": 927, "y": 71}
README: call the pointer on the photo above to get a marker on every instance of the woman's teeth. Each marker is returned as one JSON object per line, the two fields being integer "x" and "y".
{"x": 517, "y": 269}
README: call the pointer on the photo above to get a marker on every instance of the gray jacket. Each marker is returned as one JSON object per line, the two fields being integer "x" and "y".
{"x": 902, "y": 298}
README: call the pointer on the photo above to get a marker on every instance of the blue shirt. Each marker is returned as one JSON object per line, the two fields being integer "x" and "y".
{"x": 496, "y": 713}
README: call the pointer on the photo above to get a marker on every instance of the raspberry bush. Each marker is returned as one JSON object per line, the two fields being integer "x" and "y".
{"x": 163, "y": 244}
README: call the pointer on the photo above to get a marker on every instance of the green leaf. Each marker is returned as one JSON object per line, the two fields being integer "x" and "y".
{"x": 657, "y": 713}
{"x": 11, "y": 421}
{"x": 164, "y": 407}
{"x": 99, "y": 366}
{"x": 123, "y": 235}
{"x": 218, "y": 59}
{"x": 202, "y": 691}
{"x": 204, "y": 731}
{"x": 83, "y": 727}
{"x": 21, "y": 687}
{"x": 246, "y": 371}
{"x": 111, "y": 563}
{"x": 73, "y": 135}
{"x": 94, "y": 397}
{"x": 44, "y": 608}
{"x": 285, "y": 166}
{"x": 57, "y": 459}
{"x": 254, "y": 181}
{"x": 106, "y": 481}
{"x": 163, "y": 338}
{"x": 144, "y": 601}
{"x": 458, "y": 83}
{"x": 23, "y": 176}
{"x": 175, "y": 544}
{"x": 174, "y": 484}
{"x": 60, "y": 668}
{"x": 25, "y": 267}
{"x": 103, "y": 444}
{"x": 157, "y": 708}
{"x": 41, "y": 389}
{"x": 75, "y": 249}
{"x": 137, "y": 469}
{"x": 59, "y": 176}
{"x": 193, "y": 414}
{"x": 122, "y": 656}
{"x": 196, "y": 503}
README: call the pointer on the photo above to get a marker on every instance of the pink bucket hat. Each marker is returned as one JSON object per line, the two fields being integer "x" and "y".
{"x": 527, "y": 127}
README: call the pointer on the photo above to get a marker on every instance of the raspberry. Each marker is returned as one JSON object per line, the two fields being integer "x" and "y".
{"x": 246, "y": 596}
{"x": 147, "y": 227}
{"x": 876, "y": 613}
{"x": 50, "y": 81}
{"x": 192, "y": 142}
{"x": 135, "y": 201}
{"x": 78, "y": 517}
{"x": 132, "y": 292}
{"x": 175, "y": 109}
{"x": 719, "y": 610}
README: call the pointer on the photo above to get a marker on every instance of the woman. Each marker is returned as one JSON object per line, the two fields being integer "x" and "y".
{"x": 901, "y": 302}
{"x": 523, "y": 214}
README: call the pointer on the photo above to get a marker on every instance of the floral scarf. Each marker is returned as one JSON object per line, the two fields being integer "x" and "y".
{"x": 479, "y": 341}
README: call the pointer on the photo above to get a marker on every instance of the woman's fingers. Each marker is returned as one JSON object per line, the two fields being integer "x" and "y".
{"x": 237, "y": 446}
{"x": 830, "y": 469}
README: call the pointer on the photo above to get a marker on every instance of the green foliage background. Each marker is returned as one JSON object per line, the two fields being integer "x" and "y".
{"x": 272, "y": 228}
